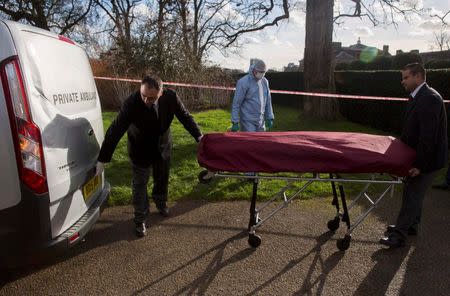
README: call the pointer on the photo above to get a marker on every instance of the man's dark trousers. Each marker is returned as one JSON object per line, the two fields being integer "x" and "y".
{"x": 141, "y": 175}
{"x": 414, "y": 191}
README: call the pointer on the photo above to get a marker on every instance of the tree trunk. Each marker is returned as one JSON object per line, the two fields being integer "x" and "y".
{"x": 39, "y": 16}
{"x": 160, "y": 40}
{"x": 318, "y": 67}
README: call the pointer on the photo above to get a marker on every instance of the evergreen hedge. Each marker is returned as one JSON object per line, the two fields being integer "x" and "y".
{"x": 384, "y": 115}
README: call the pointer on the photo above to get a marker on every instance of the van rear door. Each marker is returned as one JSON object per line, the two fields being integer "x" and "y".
{"x": 64, "y": 104}
{"x": 8, "y": 169}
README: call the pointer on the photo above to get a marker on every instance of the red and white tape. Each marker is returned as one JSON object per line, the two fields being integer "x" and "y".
{"x": 274, "y": 91}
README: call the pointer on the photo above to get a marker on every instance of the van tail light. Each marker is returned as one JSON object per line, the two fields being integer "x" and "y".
{"x": 74, "y": 237}
{"x": 26, "y": 134}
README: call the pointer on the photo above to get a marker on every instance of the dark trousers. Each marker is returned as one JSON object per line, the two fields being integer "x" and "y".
{"x": 160, "y": 169}
{"x": 414, "y": 191}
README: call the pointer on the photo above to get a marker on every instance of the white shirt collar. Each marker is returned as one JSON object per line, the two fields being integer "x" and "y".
{"x": 414, "y": 93}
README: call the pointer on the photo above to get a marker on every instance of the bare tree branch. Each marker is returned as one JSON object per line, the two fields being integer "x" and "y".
{"x": 390, "y": 9}
{"x": 232, "y": 37}
{"x": 441, "y": 40}
{"x": 60, "y": 16}
{"x": 442, "y": 18}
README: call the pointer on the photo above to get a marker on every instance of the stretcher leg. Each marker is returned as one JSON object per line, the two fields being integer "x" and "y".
{"x": 335, "y": 201}
{"x": 333, "y": 224}
{"x": 345, "y": 215}
{"x": 344, "y": 243}
{"x": 253, "y": 239}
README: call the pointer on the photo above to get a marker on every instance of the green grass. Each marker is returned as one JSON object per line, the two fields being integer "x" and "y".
{"x": 183, "y": 182}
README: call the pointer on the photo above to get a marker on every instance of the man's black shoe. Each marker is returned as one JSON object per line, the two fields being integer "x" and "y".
{"x": 391, "y": 228}
{"x": 443, "y": 186}
{"x": 392, "y": 241}
{"x": 141, "y": 230}
{"x": 162, "y": 208}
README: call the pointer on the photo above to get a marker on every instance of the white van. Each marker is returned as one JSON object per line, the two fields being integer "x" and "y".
{"x": 50, "y": 132}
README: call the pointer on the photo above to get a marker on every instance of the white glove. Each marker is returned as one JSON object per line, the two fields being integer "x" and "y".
{"x": 99, "y": 168}
{"x": 199, "y": 138}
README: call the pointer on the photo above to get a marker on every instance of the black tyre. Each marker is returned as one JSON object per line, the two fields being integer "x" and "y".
{"x": 333, "y": 225}
{"x": 254, "y": 240}
{"x": 344, "y": 243}
{"x": 202, "y": 177}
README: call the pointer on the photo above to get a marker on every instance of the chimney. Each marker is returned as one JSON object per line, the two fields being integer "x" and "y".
{"x": 385, "y": 49}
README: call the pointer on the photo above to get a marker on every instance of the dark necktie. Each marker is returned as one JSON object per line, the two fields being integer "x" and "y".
{"x": 155, "y": 109}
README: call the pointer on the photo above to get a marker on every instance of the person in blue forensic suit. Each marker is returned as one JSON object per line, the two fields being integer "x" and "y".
{"x": 252, "y": 105}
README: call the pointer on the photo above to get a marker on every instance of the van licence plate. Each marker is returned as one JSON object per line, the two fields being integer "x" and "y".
{"x": 90, "y": 187}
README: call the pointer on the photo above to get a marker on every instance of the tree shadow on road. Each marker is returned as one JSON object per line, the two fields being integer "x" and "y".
{"x": 326, "y": 266}
{"x": 422, "y": 266}
{"x": 105, "y": 232}
{"x": 427, "y": 271}
{"x": 428, "y": 268}
{"x": 200, "y": 285}
{"x": 388, "y": 262}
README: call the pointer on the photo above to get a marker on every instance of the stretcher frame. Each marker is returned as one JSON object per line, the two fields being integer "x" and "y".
{"x": 256, "y": 219}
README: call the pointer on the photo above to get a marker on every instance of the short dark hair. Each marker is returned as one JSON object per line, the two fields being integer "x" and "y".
{"x": 152, "y": 81}
{"x": 415, "y": 68}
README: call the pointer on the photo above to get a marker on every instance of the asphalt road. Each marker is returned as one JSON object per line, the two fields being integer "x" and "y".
{"x": 202, "y": 250}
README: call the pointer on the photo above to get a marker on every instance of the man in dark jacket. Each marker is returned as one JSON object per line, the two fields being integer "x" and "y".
{"x": 425, "y": 130}
{"x": 147, "y": 115}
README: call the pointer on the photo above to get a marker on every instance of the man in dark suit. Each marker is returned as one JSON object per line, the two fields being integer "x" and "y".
{"x": 425, "y": 130}
{"x": 147, "y": 115}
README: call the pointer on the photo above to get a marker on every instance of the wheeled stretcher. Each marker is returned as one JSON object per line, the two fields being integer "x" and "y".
{"x": 314, "y": 157}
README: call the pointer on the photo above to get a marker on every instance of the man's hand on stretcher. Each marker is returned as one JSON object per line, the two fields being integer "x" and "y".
{"x": 414, "y": 172}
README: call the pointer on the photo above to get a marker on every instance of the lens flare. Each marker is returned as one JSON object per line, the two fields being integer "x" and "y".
{"x": 368, "y": 54}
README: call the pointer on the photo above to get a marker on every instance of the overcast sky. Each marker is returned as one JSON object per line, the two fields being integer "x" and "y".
{"x": 281, "y": 45}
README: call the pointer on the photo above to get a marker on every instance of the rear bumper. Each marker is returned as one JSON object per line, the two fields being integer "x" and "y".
{"x": 17, "y": 248}
{"x": 78, "y": 231}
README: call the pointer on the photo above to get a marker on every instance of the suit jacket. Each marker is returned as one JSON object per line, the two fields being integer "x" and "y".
{"x": 149, "y": 136}
{"x": 425, "y": 129}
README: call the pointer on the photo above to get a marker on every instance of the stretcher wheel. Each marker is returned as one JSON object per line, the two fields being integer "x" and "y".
{"x": 203, "y": 177}
{"x": 254, "y": 240}
{"x": 344, "y": 243}
{"x": 333, "y": 225}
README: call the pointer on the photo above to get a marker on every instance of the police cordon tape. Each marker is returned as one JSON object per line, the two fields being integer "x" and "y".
{"x": 274, "y": 91}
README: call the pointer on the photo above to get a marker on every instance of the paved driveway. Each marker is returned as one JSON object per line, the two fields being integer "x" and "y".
{"x": 202, "y": 250}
